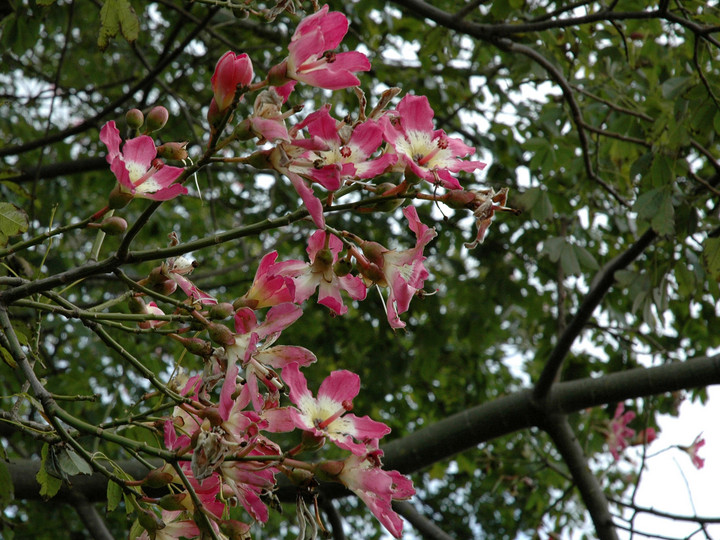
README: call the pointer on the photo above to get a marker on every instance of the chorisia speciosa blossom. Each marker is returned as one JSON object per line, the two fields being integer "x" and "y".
{"x": 225, "y": 422}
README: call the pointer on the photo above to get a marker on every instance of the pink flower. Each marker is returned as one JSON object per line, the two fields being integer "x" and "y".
{"x": 348, "y": 147}
{"x": 269, "y": 287}
{"x": 377, "y": 488}
{"x": 403, "y": 272}
{"x": 325, "y": 416}
{"x": 176, "y": 269}
{"x": 231, "y": 71}
{"x": 323, "y": 249}
{"x": 310, "y": 60}
{"x": 428, "y": 153}
{"x": 692, "y": 451}
{"x": 483, "y": 203}
{"x": 136, "y": 168}
{"x": 618, "y": 438}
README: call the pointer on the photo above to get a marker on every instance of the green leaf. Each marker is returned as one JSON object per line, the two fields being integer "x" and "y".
{"x": 569, "y": 260}
{"x": 685, "y": 279}
{"x": 655, "y": 206}
{"x": 7, "y": 491}
{"x": 585, "y": 257}
{"x": 711, "y": 257}
{"x": 7, "y": 357}
{"x": 661, "y": 171}
{"x": 675, "y": 86}
{"x": 114, "y": 495}
{"x": 49, "y": 484}
{"x": 72, "y": 464}
{"x": 13, "y": 220}
{"x": 117, "y": 16}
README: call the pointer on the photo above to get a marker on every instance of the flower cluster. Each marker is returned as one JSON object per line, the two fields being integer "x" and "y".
{"x": 224, "y": 430}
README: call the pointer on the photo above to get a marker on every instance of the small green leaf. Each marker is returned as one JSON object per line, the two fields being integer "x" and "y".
{"x": 585, "y": 257}
{"x": 72, "y": 464}
{"x": 661, "y": 171}
{"x": 7, "y": 357}
{"x": 117, "y": 16}
{"x": 114, "y": 495}
{"x": 13, "y": 220}
{"x": 655, "y": 206}
{"x": 675, "y": 86}
{"x": 49, "y": 484}
{"x": 711, "y": 257}
{"x": 685, "y": 279}
{"x": 569, "y": 260}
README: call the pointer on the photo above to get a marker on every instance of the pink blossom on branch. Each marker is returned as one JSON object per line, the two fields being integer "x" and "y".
{"x": 377, "y": 488}
{"x": 320, "y": 274}
{"x": 232, "y": 71}
{"x": 310, "y": 59}
{"x": 138, "y": 172}
{"x": 619, "y": 435}
{"x": 692, "y": 451}
{"x": 325, "y": 416}
{"x": 429, "y": 153}
{"x": 350, "y": 147}
{"x": 403, "y": 272}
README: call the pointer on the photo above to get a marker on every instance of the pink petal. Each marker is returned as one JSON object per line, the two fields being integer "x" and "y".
{"x": 296, "y": 382}
{"x": 140, "y": 150}
{"x": 312, "y": 203}
{"x": 416, "y": 113}
{"x": 110, "y": 136}
{"x": 340, "y": 386}
{"x": 278, "y": 318}
{"x": 245, "y": 320}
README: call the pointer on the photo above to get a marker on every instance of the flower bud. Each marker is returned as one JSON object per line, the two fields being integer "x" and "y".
{"x": 331, "y": 468}
{"x": 114, "y": 225}
{"x": 277, "y": 76}
{"x": 342, "y": 268}
{"x": 196, "y": 346}
{"x": 221, "y": 334}
{"x": 232, "y": 71}
{"x": 137, "y": 305}
{"x": 300, "y": 477}
{"x": 134, "y": 118}
{"x": 174, "y": 501}
{"x": 374, "y": 251}
{"x": 158, "y": 478}
{"x": 235, "y": 530}
{"x": 150, "y": 522}
{"x": 173, "y": 150}
{"x": 222, "y": 310}
{"x": 119, "y": 198}
{"x": 214, "y": 115}
{"x": 459, "y": 198}
{"x": 156, "y": 118}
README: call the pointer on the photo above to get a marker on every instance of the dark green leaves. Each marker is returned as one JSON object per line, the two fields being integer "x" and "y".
{"x": 117, "y": 16}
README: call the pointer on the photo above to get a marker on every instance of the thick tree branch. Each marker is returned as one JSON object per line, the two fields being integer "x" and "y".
{"x": 592, "y": 494}
{"x": 469, "y": 428}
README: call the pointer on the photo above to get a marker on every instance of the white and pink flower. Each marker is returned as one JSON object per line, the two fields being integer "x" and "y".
{"x": 323, "y": 249}
{"x": 310, "y": 59}
{"x": 429, "y": 153}
{"x": 325, "y": 416}
{"x": 138, "y": 171}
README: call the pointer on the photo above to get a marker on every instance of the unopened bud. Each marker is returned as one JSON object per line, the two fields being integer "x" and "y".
{"x": 214, "y": 114}
{"x": 156, "y": 118}
{"x": 331, "y": 468}
{"x": 301, "y": 477}
{"x": 221, "y": 334}
{"x": 342, "y": 268}
{"x": 324, "y": 256}
{"x": 277, "y": 76}
{"x": 222, "y": 310}
{"x": 235, "y": 530}
{"x": 374, "y": 251}
{"x": 173, "y": 150}
{"x": 158, "y": 478}
{"x": 114, "y": 225}
{"x": 260, "y": 160}
{"x": 458, "y": 198}
{"x": 119, "y": 198}
{"x": 150, "y": 522}
{"x": 174, "y": 501}
{"x": 243, "y": 131}
{"x": 134, "y": 118}
{"x": 137, "y": 305}
{"x": 196, "y": 346}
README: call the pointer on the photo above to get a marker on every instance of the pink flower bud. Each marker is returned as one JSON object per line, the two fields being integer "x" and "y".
{"x": 157, "y": 118}
{"x": 231, "y": 71}
{"x": 221, "y": 334}
{"x": 221, "y": 310}
{"x": 134, "y": 118}
{"x": 173, "y": 150}
{"x": 137, "y": 305}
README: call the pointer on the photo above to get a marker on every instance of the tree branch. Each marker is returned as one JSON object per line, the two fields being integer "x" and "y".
{"x": 592, "y": 494}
